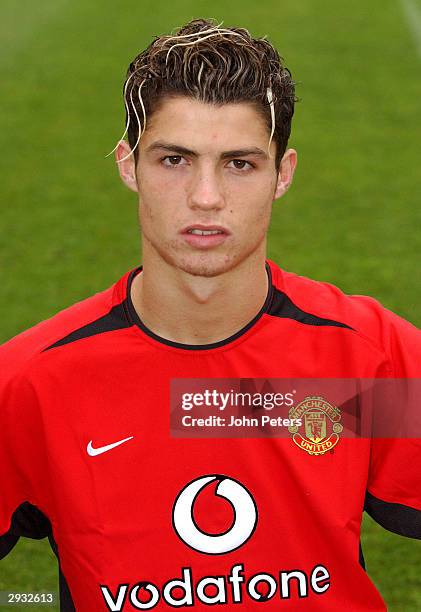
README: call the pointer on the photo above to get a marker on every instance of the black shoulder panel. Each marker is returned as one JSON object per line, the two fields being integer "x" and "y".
{"x": 282, "y": 306}
{"x": 115, "y": 319}
{"x": 400, "y": 519}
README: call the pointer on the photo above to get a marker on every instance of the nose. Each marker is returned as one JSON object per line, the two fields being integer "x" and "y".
{"x": 205, "y": 190}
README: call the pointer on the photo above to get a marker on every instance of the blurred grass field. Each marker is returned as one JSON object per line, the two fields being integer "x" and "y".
{"x": 69, "y": 228}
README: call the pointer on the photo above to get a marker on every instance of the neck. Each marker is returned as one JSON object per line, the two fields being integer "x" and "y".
{"x": 195, "y": 309}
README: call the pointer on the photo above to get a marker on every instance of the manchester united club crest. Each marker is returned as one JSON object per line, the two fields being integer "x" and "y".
{"x": 320, "y": 428}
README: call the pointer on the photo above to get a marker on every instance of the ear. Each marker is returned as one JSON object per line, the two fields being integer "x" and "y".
{"x": 126, "y": 167}
{"x": 286, "y": 172}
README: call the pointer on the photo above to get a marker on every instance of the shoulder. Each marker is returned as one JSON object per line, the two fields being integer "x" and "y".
{"x": 366, "y": 316}
{"x": 19, "y": 351}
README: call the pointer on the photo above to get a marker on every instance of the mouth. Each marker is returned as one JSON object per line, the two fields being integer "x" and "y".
{"x": 205, "y": 236}
{"x": 204, "y": 230}
{"x": 198, "y": 232}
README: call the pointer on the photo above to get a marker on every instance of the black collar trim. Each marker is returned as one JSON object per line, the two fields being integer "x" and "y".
{"x": 135, "y": 319}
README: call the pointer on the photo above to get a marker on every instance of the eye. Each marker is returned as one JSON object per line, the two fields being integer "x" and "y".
{"x": 172, "y": 160}
{"x": 241, "y": 164}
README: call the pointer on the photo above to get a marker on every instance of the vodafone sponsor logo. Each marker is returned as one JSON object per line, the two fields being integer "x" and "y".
{"x": 231, "y": 588}
{"x": 245, "y": 515}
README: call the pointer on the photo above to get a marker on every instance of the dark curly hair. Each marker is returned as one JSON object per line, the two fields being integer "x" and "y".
{"x": 212, "y": 64}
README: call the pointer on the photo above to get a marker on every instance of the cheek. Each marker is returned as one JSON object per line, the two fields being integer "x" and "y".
{"x": 151, "y": 195}
{"x": 259, "y": 187}
{"x": 158, "y": 208}
{"x": 157, "y": 178}
{"x": 253, "y": 201}
{"x": 159, "y": 187}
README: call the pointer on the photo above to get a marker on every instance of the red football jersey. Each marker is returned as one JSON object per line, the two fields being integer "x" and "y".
{"x": 142, "y": 519}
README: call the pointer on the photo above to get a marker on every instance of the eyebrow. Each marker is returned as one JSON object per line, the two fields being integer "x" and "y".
{"x": 174, "y": 148}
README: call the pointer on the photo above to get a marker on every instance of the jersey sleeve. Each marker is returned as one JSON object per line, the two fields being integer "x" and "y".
{"x": 393, "y": 496}
{"x": 19, "y": 458}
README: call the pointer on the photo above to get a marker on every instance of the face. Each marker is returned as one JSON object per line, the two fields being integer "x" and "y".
{"x": 205, "y": 168}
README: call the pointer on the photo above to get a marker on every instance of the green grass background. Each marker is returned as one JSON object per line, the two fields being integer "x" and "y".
{"x": 69, "y": 227}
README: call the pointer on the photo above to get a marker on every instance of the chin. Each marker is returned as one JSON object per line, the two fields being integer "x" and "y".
{"x": 206, "y": 264}
{"x": 207, "y": 267}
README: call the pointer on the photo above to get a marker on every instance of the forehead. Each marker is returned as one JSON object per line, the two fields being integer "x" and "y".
{"x": 197, "y": 124}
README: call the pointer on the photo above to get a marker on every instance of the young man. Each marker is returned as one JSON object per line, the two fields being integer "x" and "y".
{"x": 140, "y": 516}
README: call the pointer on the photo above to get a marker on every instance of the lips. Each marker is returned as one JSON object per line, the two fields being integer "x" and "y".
{"x": 200, "y": 236}
{"x": 200, "y": 229}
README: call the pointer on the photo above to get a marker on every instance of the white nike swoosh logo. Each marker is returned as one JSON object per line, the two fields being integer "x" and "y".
{"x": 103, "y": 449}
